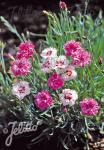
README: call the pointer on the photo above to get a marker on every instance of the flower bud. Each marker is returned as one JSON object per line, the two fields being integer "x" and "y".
{"x": 62, "y": 5}
{"x": 100, "y": 60}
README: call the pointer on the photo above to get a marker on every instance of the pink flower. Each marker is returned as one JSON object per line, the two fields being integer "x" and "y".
{"x": 60, "y": 63}
{"x": 21, "y": 89}
{"x": 46, "y": 65}
{"x": 49, "y": 53}
{"x": 43, "y": 100}
{"x": 20, "y": 67}
{"x": 89, "y": 107}
{"x": 69, "y": 73}
{"x": 68, "y": 97}
{"x": 55, "y": 82}
{"x": 26, "y": 49}
{"x": 71, "y": 47}
{"x": 62, "y": 5}
{"x": 81, "y": 58}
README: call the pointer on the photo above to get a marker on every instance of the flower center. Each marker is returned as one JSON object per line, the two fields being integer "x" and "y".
{"x": 68, "y": 72}
{"x": 46, "y": 64}
{"x": 43, "y": 97}
{"x": 21, "y": 89}
{"x": 68, "y": 96}
{"x": 20, "y": 65}
{"x": 59, "y": 63}
{"x": 49, "y": 53}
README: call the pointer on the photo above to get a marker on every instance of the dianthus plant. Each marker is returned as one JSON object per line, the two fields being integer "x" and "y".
{"x": 60, "y": 84}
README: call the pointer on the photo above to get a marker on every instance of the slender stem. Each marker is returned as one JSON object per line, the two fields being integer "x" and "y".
{"x": 86, "y": 123}
{"x": 86, "y": 6}
{"x": 2, "y": 58}
{"x": 37, "y": 35}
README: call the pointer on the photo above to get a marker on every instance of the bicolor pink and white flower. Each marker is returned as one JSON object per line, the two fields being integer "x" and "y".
{"x": 68, "y": 97}
{"x": 26, "y": 49}
{"x": 49, "y": 53}
{"x": 71, "y": 47}
{"x": 21, "y": 67}
{"x": 55, "y": 82}
{"x": 60, "y": 63}
{"x": 21, "y": 89}
{"x": 46, "y": 65}
{"x": 43, "y": 100}
{"x": 89, "y": 107}
{"x": 81, "y": 58}
{"x": 69, "y": 73}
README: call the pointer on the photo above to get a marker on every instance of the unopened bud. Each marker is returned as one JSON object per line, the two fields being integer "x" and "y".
{"x": 62, "y": 5}
{"x": 65, "y": 110}
{"x": 100, "y": 60}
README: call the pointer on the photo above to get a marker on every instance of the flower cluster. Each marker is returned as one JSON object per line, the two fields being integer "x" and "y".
{"x": 51, "y": 62}
{"x": 59, "y": 71}
{"x": 59, "y": 88}
{"x": 80, "y": 57}
{"x": 21, "y": 65}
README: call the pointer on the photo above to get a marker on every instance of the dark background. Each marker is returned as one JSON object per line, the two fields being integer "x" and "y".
{"x": 27, "y": 15}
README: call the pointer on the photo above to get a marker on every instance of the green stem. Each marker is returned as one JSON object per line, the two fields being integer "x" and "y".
{"x": 86, "y": 123}
{"x": 2, "y": 59}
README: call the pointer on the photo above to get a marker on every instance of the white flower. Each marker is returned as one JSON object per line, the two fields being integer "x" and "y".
{"x": 49, "y": 53}
{"x": 69, "y": 73}
{"x": 60, "y": 63}
{"x": 68, "y": 97}
{"x": 46, "y": 65}
{"x": 21, "y": 89}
